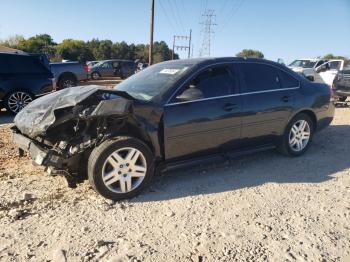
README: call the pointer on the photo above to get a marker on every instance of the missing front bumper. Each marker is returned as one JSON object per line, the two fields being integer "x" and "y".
{"x": 40, "y": 155}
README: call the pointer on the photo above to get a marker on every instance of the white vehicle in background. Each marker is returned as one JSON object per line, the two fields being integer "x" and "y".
{"x": 327, "y": 72}
{"x": 306, "y": 66}
{"x": 318, "y": 70}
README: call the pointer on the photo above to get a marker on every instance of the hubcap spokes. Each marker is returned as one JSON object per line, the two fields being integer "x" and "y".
{"x": 17, "y": 101}
{"x": 299, "y": 135}
{"x": 124, "y": 170}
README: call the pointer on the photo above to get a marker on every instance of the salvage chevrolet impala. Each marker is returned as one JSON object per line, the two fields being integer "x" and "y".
{"x": 169, "y": 115}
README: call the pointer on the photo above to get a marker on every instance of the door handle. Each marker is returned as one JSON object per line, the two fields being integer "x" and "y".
{"x": 230, "y": 107}
{"x": 285, "y": 98}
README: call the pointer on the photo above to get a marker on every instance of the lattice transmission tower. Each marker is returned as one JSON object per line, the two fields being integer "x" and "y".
{"x": 207, "y": 31}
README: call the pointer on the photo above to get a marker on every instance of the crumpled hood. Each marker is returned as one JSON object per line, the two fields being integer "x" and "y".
{"x": 64, "y": 105}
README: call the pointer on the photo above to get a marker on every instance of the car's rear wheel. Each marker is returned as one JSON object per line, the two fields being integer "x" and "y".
{"x": 67, "y": 81}
{"x": 297, "y": 136}
{"x": 120, "y": 168}
{"x": 95, "y": 75}
{"x": 17, "y": 100}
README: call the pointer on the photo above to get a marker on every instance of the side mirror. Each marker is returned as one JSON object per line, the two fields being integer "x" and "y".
{"x": 190, "y": 94}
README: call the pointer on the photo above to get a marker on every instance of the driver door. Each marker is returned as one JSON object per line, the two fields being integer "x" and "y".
{"x": 208, "y": 124}
{"x": 328, "y": 71}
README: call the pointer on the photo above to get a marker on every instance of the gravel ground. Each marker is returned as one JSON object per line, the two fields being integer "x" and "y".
{"x": 259, "y": 207}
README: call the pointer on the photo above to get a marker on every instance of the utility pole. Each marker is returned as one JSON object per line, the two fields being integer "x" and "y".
{"x": 189, "y": 44}
{"x": 150, "y": 51}
{"x": 207, "y": 32}
{"x": 182, "y": 47}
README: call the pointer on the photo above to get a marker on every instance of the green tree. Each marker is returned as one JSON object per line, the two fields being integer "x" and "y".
{"x": 12, "y": 41}
{"x": 42, "y": 44}
{"x": 74, "y": 50}
{"x": 250, "y": 53}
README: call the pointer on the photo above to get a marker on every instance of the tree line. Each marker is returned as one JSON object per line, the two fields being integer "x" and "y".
{"x": 95, "y": 49}
{"x": 258, "y": 54}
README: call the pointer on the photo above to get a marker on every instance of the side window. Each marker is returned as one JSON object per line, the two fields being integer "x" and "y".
{"x": 335, "y": 65}
{"x": 106, "y": 65}
{"x": 4, "y": 67}
{"x": 319, "y": 63}
{"x": 214, "y": 82}
{"x": 26, "y": 64}
{"x": 259, "y": 77}
{"x": 287, "y": 81}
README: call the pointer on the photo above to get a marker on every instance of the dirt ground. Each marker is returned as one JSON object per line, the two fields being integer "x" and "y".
{"x": 262, "y": 207}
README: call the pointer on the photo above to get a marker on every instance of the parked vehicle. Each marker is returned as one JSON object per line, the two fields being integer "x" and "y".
{"x": 92, "y": 63}
{"x": 306, "y": 66}
{"x": 327, "y": 72}
{"x": 172, "y": 114}
{"x": 341, "y": 85}
{"x": 116, "y": 67}
{"x": 22, "y": 79}
{"x": 68, "y": 74}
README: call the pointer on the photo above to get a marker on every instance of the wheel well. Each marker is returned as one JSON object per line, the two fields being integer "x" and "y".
{"x": 67, "y": 74}
{"x": 312, "y": 115}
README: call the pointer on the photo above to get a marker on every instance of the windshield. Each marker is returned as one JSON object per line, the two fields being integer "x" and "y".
{"x": 303, "y": 63}
{"x": 153, "y": 80}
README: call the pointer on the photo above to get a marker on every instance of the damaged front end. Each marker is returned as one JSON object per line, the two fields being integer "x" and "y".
{"x": 60, "y": 130}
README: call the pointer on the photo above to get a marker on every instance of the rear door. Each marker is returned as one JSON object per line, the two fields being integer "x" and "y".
{"x": 106, "y": 69}
{"x": 205, "y": 125}
{"x": 267, "y": 102}
{"x": 328, "y": 75}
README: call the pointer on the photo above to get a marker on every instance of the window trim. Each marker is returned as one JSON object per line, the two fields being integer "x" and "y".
{"x": 239, "y": 88}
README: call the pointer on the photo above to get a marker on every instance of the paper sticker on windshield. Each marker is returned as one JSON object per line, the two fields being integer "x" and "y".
{"x": 169, "y": 71}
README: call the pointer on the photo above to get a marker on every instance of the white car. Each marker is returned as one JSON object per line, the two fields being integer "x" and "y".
{"x": 306, "y": 66}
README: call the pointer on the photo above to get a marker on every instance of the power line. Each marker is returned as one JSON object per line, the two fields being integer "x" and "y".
{"x": 166, "y": 15}
{"x": 231, "y": 14}
{"x": 174, "y": 16}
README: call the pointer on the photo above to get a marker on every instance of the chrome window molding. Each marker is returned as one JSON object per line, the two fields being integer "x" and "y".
{"x": 232, "y": 63}
{"x": 233, "y": 95}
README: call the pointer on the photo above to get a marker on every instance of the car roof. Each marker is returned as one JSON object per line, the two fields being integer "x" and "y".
{"x": 213, "y": 60}
{"x": 14, "y": 54}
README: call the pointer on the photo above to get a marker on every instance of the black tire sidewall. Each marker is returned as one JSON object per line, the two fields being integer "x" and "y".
{"x": 286, "y": 144}
{"x": 103, "y": 151}
{"x": 64, "y": 78}
{"x": 95, "y": 73}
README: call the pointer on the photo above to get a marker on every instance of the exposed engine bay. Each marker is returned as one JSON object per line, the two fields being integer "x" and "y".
{"x": 59, "y": 129}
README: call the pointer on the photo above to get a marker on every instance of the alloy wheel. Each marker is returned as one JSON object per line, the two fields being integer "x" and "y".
{"x": 95, "y": 76}
{"x": 124, "y": 170}
{"x": 68, "y": 83}
{"x": 299, "y": 135}
{"x": 18, "y": 100}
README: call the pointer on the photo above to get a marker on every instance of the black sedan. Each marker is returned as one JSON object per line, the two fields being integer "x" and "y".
{"x": 172, "y": 114}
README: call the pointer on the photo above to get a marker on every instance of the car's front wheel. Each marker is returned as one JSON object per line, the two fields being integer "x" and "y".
{"x": 297, "y": 136}
{"x": 17, "y": 100}
{"x": 120, "y": 168}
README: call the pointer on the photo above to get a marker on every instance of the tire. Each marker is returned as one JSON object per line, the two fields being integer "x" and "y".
{"x": 95, "y": 75}
{"x": 342, "y": 98}
{"x": 109, "y": 170}
{"x": 17, "y": 100}
{"x": 67, "y": 81}
{"x": 297, "y": 146}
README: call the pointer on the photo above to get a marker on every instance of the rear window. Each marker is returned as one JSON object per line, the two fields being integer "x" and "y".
{"x": 259, "y": 77}
{"x": 26, "y": 65}
{"x": 287, "y": 80}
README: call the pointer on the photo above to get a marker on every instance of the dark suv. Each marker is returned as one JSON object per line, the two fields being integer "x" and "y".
{"x": 172, "y": 114}
{"x": 341, "y": 85}
{"x": 22, "y": 79}
{"x": 116, "y": 67}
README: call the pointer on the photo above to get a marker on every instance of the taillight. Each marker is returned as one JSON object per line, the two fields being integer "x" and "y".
{"x": 86, "y": 68}
{"x": 54, "y": 84}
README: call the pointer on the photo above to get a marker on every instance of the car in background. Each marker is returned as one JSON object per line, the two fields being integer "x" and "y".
{"x": 306, "y": 66}
{"x": 91, "y": 63}
{"x": 22, "y": 79}
{"x": 68, "y": 74}
{"x": 341, "y": 84}
{"x": 116, "y": 67}
{"x": 173, "y": 114}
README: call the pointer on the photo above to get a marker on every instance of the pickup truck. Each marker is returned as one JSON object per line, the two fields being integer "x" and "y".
{"x": 68, "y": 74}
{"x": 341, "y": 84}
{"x": 306, "y": 66}
{"x": 327, "y": 72}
